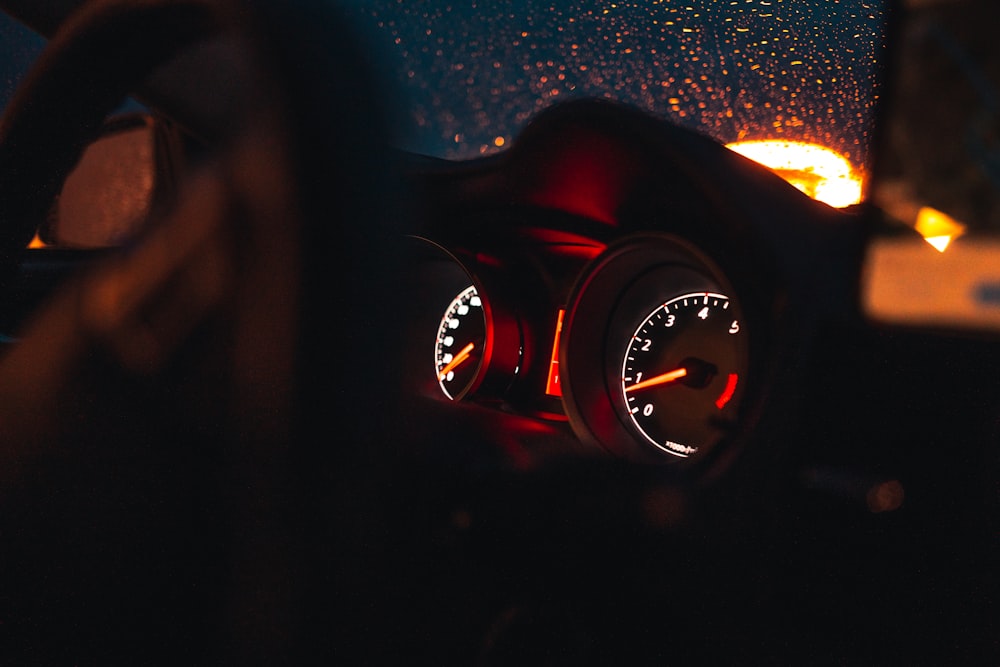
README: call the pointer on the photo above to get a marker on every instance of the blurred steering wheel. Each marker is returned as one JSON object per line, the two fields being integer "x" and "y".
{"x": 171, "y": 489}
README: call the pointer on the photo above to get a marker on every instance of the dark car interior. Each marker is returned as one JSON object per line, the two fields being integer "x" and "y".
{"x": 672, "y": 417}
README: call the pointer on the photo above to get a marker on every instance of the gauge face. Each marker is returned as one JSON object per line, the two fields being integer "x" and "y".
{"x": 655, "y": 357}
{"x": 461, "y": 339}
{"x": 681, "y": 372}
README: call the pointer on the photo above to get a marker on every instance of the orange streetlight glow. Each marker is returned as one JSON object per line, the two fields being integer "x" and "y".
{"x": 817, "y": 171}
{"x": 938, "y": 228}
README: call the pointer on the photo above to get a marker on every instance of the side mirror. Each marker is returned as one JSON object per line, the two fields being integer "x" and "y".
{"x": 111, "y": 191}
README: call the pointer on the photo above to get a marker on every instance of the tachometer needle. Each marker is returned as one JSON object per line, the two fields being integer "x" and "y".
{"x": 458, "y": 359}
{"x": 671, "y": 376}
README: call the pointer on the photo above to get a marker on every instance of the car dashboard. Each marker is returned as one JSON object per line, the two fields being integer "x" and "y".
{"x": 784, "y": 500}
{"x": 598, "y": 220}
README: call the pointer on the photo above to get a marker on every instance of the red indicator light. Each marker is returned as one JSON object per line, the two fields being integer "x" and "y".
{"x": 727, "y": 394}
{"x": 552, "y": 387}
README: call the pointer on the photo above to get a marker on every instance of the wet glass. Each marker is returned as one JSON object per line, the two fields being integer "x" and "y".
{"x": 739, "y": 70}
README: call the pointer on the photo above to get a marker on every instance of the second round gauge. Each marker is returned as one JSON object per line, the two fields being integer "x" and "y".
{"x": 460, "y": 342}
{"x": 680, "y": 369}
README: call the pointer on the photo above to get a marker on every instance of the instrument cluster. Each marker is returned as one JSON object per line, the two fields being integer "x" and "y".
{"x": 597, "y": 278}
{"x": 645, "y": 356}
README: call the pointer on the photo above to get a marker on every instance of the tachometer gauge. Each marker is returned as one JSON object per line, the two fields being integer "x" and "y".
{"x": 655, "y": 361}
{"x": 460, "y": 343}
{"x": 681, "y": 369}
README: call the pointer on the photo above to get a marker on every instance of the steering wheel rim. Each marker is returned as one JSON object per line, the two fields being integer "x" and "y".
{"x": 301, "y": 150}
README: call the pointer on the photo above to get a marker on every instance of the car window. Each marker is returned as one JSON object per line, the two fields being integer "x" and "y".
{"x": 941, "y": 146}
{"x": 20, "y": 48}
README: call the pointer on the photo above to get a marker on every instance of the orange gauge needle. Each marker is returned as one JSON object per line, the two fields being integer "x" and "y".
{"x": 459, "y": 358}
{"x": 671, "y": 376}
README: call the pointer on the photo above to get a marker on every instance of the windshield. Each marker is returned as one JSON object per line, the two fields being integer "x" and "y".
{"x": 739, "y": 70}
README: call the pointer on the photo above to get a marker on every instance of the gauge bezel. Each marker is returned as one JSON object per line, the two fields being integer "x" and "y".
{"x": 614, "y": 291}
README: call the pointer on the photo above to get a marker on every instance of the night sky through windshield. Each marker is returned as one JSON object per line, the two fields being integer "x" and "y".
{"x": 475, "y": 72}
